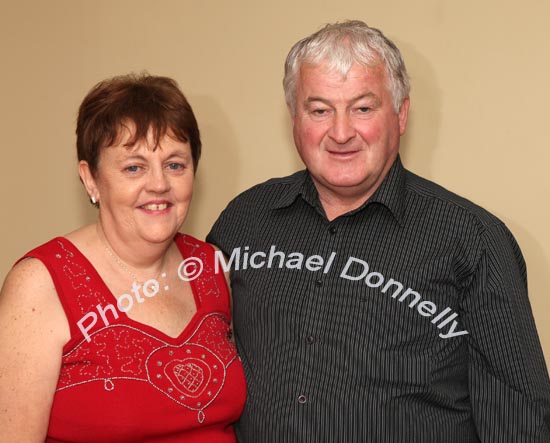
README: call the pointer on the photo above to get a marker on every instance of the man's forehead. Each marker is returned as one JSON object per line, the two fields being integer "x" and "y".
{"x": 334, "y": 70}
{"x": 325, "y": 76}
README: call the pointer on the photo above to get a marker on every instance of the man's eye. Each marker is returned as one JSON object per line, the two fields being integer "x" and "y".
{"x": 363, "y": 109}
{"x": 175, "y": 166}
{"x": 132, "y": 168}
{"x": 320, "y": 111}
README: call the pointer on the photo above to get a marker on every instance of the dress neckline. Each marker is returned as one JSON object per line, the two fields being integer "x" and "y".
{"x": 123, "y": 317}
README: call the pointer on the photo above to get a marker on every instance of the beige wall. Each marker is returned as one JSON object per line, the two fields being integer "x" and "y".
{"x": 479, "y": 102}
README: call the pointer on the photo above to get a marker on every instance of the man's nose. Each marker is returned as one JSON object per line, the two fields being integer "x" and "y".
{"x": 342, "y": 129}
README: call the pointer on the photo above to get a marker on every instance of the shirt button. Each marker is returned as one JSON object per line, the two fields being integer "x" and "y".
{"x": 302, "y": 399}
{"x": 310, "y": 339}
{"x": 333, "y": 230}
{"x": 319, "y": 282}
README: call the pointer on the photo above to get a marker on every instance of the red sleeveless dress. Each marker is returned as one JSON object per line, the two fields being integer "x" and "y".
{"x": 128, "y": 382}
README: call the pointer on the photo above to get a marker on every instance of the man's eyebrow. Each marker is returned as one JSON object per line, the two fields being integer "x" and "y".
{"x": 367, "y": 95}
{"x": 317, "y": 99}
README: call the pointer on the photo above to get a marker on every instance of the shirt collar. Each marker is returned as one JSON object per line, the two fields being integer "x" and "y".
{"x": 297, "y": 185}
{"x": 390, "y": 194}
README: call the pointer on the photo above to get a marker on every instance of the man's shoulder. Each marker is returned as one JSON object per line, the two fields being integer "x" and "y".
{"x": 269, "y": 192}
{"x": 241, "y": 216}
{"x": 276, "y": 183}
{"x": 448, "y": 203}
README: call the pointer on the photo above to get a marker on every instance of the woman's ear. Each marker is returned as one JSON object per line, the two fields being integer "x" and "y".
{"x": 89, "y": 181}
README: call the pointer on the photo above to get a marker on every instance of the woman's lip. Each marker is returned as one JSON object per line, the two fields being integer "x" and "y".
{"x": 156, "y": 206}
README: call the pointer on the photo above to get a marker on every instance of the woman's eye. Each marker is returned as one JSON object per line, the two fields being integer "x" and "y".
{"x": 132, "y": 168}
{"x": 175, "y": 166}
{"x": 363, "y": 109}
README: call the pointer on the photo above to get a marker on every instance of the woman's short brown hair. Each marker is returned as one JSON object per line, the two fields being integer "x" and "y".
{"x": 147, "y": 102}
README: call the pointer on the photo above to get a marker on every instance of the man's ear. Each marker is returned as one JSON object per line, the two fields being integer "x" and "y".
{"x": 291, "y": 114}
{"x": 88, "y": 179}
{"x": 403, "y": 115}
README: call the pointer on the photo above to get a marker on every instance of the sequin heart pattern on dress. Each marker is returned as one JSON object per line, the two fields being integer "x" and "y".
{"x": 189, "y": 374}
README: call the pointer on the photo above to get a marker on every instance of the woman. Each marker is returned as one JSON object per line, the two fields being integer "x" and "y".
{"x": 119, "y": 331}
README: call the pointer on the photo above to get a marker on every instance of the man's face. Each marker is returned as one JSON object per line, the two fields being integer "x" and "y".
{"x": 346, "y": 129}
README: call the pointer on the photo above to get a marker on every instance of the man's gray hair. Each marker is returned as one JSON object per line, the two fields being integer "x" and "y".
{"x": 341, "y": 45}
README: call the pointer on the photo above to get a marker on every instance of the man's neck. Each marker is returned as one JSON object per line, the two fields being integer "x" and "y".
{"x": 340, "y": 201}
{"x": 335, "y": 204}
{"x": 337, "y": 201}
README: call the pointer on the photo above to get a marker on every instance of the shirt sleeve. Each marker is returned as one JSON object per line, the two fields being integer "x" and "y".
{"x": 508, "y": 378}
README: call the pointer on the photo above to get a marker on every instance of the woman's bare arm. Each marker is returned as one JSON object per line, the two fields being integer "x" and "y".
{"x": 33, "y": 331}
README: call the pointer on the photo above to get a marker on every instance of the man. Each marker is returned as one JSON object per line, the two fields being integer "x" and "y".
{"x": 371, "y": 305}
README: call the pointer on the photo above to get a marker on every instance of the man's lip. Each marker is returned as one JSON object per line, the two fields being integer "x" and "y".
{"x": 342, "y": 152}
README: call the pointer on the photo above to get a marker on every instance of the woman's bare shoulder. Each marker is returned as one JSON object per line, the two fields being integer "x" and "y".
{"x": 29, "y": 297}
{"x": 27, "y": 277}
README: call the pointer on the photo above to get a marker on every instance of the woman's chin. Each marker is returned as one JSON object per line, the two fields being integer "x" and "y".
{"x": 159, "y": 235}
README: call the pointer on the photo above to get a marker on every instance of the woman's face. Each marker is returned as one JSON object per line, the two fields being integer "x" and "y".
{"x": 144, "y": 193}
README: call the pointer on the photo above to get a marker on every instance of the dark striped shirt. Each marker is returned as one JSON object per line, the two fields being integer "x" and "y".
{"x": 405, "y": 320}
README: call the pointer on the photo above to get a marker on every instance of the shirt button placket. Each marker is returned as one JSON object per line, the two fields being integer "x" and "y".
{"x": 311, "y": 339}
